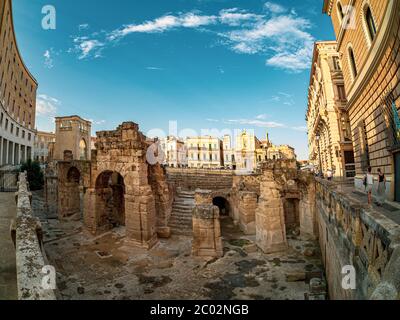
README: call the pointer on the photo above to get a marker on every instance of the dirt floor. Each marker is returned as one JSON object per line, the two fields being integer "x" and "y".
{"x": 106, "y": 267}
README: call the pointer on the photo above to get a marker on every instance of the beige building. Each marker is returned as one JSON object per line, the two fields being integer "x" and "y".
{"x": 270, "y": 151}
{"x": 204, "y": 152}
{"x": 43, "y": 146}
{"x": 367, "y": 33}
{"x": 73, "y": 138}
{"x": 329, "y": 133}
{"x": 246, "y": 146}
{"x": 175, "y": 153}
{"x": 17, "y": 96}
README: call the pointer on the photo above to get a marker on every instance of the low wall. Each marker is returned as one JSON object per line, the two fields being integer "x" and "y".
{"x": 30, "y": 258}
{"x": 351, "y": 234}
{"x": 192, "y": 179}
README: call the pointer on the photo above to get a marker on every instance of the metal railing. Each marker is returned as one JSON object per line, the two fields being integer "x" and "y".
{"x": 8, "y": 181}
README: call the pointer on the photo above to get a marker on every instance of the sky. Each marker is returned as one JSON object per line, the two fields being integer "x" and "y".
{"x": 175, "y": 67}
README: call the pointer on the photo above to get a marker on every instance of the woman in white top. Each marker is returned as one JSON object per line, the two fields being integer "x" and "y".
{"x": 369, "y": 184}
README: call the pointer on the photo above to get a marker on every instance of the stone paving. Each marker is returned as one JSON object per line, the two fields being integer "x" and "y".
{"x": 8, "y": 278}
{"x": 106, "y": 267}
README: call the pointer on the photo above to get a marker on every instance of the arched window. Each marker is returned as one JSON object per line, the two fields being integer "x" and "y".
{"x": 352, "y": 61}
{"x": 82, "y": 150}
{"x": 370, "y": 22}
{"x": 340, "y": 11}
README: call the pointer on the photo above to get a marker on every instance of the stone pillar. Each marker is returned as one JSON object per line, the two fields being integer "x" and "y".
{"x": 89, "y": 210}
{"x": 270, "y": 217}
{"x": 141, "y": 218}
{"x": 307, "y": 210}
{"x": 207, "y": 241}
{"x": 247, "y": 212}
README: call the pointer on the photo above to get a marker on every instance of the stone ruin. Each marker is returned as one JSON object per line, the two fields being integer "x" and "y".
{"x": 278, "y": 199}
{"x": 117, "y": 187}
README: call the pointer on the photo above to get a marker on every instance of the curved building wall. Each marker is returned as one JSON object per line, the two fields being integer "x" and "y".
{"x": 17, "y": 96}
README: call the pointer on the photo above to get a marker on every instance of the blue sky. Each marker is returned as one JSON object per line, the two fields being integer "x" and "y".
{"x": 207, "y": 64}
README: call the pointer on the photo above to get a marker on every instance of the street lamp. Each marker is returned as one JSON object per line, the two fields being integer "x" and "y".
{"x": 318, "y": 138}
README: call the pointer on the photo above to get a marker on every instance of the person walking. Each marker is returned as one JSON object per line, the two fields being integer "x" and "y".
{"x": 369, "y": 183}
{"x": 381, "y": 187}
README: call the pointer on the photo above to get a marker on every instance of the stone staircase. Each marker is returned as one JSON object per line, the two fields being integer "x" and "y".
{"x": 181, "y": 217}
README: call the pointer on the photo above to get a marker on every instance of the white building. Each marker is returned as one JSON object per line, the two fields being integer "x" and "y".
{"x": 175, "y": 153}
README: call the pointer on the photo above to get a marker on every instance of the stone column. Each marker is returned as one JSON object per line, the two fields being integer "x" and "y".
{"x": 1, "y": 151}
{"x": 270, "y": 218}
{"x": 89, "y": 210}
{"x": 247, "y": 212}
{"x": 207, "y": 240}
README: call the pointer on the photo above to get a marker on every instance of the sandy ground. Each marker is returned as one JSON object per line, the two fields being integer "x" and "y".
{"x": 8, "y": 278}
{"x": 106, "y": 267}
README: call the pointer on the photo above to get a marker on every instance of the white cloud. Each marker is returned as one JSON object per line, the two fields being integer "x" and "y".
{"x": 282, "y": 37}
{"x": 155, "y": 68}
{"x": 96, "y": 122}
{"x": 274, "y": 7}
{"x": 262, "y": 116}
{"x": 46, "y": 105}
{"x": 212, "y": 120}
{"x": 48, "y": 59}
{"x": 86, "y": 47}
{"x": 235, "y": 16}
{"x": 83, "y": 26}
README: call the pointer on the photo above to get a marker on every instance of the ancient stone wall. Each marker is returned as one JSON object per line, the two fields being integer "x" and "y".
{"x": 351, "y": 234}
{"x": 192, "y": 179}
{"x": 26, "y": 232}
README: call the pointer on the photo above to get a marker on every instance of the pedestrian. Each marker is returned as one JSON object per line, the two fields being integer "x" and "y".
{"x": 381, "y": 187}
{"x": 369, "y": 183}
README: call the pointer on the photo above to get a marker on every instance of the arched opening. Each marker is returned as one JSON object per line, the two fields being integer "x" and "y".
{"x": 370, "y": 24}
{"x": 110, "y": 200}
{"x": 340, "y": 11}
{"x": 82, "y": 150}
{"x": 223, "y": 205}
{"x": 352, "y": 61}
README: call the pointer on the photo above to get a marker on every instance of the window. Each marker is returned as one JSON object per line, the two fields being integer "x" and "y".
{"x": 341, "y": 92}
{"x": 370, "y": 23}
{"x": 336, "y": 64}
{"x": 352, "y": 61}
{"x": 340, "y": 11}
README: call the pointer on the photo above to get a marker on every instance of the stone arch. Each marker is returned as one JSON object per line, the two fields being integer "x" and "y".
{"x": 223, "y": 205}
{"x": 110, "y": 200}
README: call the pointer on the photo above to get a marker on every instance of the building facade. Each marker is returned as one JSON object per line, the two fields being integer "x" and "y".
{"x": 205, "y": 152}
{"x": 73, "y": 139}
{"x": 368, "y": 41}
{"x": 43, "y": 146}
{"x": 329, "y": 132}
{"x": 17, "y": 96}
{"x": 175, "y": 153}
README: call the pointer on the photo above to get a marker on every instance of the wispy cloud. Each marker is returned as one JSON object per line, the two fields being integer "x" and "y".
{"x": 262, "y": 116}
{"x": 274, "y": 7}
{"x": 48, "y": 59}
{"x": 280, "y": 35}
{"x": 284, "y": 98}
{"x": 46, "y": 105}
{"x": 154, "y": 68}
{"x": 212, "y": 120}
{"x": 83, "y": 26}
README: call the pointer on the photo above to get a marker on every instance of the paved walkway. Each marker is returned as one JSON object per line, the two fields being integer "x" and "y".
{"x": 8, "y": 278}
{"x": 389, "y": 210}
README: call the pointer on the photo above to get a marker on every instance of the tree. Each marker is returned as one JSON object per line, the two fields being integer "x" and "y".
{"x": 34, "y": 174}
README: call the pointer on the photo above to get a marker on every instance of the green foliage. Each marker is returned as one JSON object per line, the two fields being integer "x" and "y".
{"x": 35, "y": 174}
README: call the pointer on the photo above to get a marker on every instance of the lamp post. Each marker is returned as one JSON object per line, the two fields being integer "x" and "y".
{"x": 318, "y": 138}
